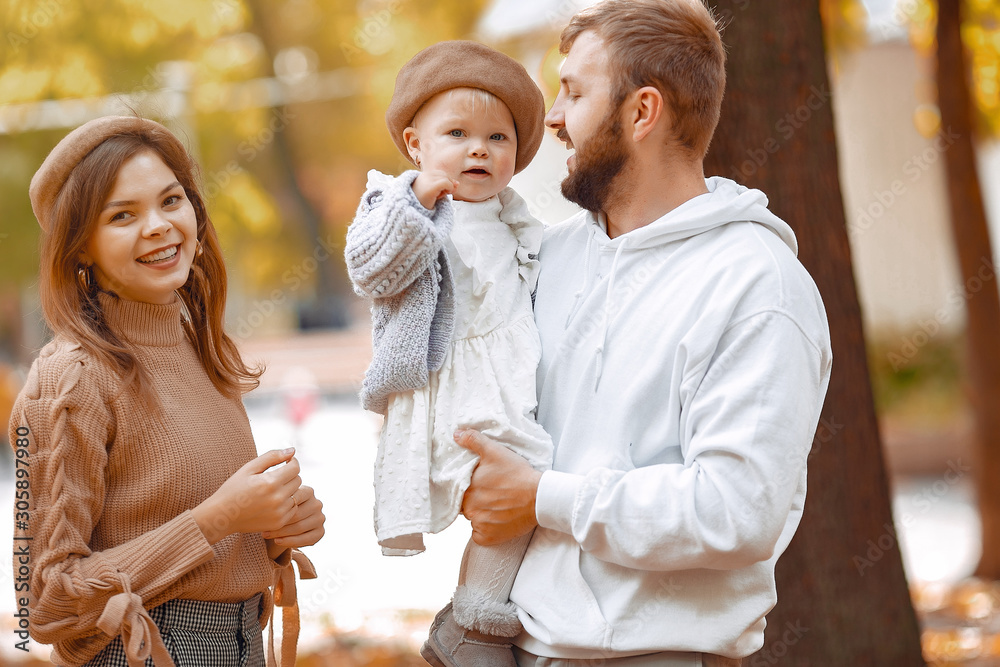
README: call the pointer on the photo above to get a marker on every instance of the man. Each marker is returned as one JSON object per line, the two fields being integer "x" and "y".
{"x": 685, "y": 359}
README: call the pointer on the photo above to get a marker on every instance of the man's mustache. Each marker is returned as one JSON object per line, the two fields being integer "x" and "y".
{"x": 563, "y": 135}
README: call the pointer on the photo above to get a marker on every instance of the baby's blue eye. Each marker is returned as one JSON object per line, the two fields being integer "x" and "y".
{"x": 497, "y": 137}
{"x": 455, "y": 133}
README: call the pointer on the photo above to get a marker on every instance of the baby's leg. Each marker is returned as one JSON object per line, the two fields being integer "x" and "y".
{"x": 475, "y": 629}
{"x": 482, "y": 599}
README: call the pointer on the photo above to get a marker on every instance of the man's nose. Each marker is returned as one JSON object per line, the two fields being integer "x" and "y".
{"x": 554, "y": 118}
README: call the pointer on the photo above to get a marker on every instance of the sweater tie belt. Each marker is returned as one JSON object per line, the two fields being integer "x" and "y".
{"x": 285, "y": 596}
{"x": 125, "y": 614}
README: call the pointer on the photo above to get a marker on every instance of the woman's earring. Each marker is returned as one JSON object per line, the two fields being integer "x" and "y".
{"x": 200, "y": 250}
{"x": 83, "y": 275}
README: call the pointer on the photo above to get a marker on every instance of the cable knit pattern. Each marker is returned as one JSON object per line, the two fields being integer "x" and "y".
{"x": 395, "y": 255}
{"x": 112, "y": 483}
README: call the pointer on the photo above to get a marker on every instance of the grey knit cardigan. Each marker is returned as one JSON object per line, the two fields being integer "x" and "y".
{"x": 396, "y": 255}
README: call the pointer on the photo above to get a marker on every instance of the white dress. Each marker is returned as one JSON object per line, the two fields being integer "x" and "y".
{"x": 487, "y": 380}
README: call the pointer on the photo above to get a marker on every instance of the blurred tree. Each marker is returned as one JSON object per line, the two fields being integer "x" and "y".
{"x": 842, "y": 592}
{"x": 972, "y": 240}
{"x": 979, "y": 33}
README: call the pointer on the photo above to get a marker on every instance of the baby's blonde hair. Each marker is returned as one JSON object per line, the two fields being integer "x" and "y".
{"x": 478, "y": 96}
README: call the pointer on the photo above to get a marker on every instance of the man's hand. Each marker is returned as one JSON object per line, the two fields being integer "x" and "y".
{"x": 500, "y": 501}
{"x": 430, "y": 186}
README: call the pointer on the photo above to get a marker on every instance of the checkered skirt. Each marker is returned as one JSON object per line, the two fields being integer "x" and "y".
{"x": 201, "y": 634}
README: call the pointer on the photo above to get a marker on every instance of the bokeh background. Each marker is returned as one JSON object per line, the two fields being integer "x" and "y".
{"x": 282, "y": 102}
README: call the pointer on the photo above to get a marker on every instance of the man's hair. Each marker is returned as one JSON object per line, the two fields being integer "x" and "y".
{"x": 673, "y": 45}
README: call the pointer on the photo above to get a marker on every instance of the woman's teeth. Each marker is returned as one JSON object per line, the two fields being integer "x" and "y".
{"x": 159, "y": 256}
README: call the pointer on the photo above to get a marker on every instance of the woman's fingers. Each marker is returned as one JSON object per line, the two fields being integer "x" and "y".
{"x": 268, "y": 460}
{"x": 306, "y": 539}
{"x": 307, "y": 519}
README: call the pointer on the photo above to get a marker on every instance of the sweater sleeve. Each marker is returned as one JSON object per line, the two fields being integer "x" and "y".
{"x": 75, "y": 592}
{"x": 393, "y": 238}
{"x": 750, "y": 422}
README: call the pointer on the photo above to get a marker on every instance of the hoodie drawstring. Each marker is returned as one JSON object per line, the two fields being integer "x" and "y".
{"x": 586, "y": 279}
{"x": 607, "y": 312}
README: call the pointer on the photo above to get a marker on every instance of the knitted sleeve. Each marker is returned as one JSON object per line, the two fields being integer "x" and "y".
{"x": 393, "y": 238}
{"x": 76, "y": 593}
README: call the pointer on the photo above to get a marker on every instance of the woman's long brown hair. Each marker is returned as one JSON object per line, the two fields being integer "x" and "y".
{"x": 74, "y": 310}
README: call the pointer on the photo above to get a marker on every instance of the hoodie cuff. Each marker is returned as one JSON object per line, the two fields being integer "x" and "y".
{"x": 555, "y": 500}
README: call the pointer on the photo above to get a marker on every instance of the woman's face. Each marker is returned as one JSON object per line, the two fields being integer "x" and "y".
{"x": 145, "y": 238}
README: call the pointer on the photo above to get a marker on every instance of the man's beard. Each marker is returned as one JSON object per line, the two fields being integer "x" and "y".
{"x": 597, "y": 164}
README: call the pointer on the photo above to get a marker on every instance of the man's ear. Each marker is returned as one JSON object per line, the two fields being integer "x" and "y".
{"x": 412, "y": 141}
{"x": 648, "y": 112}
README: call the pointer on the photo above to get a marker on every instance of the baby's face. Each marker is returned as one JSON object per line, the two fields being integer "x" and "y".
{"x": 470, "y": 140}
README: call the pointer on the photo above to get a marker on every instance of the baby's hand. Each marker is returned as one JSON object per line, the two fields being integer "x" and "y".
{"x": 430, "y": 186}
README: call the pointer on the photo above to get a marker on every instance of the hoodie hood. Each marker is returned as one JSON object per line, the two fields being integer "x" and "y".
{"x": 726, "y": 201}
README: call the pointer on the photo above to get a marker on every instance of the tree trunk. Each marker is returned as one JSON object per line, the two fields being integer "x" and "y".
{"x": 328, "y": 309}
{"x": 975, "y": 259}
{"x": 842, "y": 593}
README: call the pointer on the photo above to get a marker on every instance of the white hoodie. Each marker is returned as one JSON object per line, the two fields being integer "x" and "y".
{"x": 684, "y": 366}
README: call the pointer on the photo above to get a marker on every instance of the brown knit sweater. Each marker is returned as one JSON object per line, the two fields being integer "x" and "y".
{"x": 112, "y": 485}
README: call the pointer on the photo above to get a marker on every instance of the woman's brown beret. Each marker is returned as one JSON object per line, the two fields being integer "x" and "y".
{"x": 55, "y": 170}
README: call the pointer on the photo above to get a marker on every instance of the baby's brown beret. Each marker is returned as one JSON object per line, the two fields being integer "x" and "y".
{"x": 462, "y": 64}
{"x": 55, "y": 170}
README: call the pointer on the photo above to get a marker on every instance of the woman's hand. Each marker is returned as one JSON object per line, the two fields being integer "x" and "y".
{"x": 257, "y": 498}
{"x": 305, "y": 528}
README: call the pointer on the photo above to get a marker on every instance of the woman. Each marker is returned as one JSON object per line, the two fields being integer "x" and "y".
{"x": 154, "y": 530}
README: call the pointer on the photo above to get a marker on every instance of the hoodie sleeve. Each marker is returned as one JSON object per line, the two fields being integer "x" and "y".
{"x": 393, "y": 238}
{"x": 751, "y": 417}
